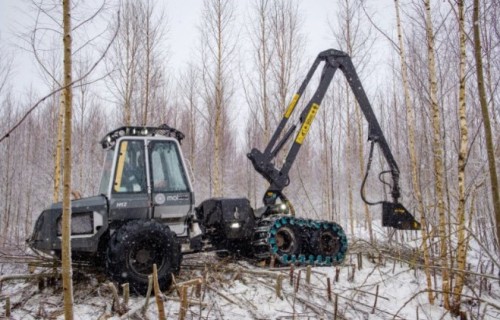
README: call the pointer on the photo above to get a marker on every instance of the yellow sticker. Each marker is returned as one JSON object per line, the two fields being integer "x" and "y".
{"x": 121, "y": 163}
{"x": 292, "y": 105}
{"x": 304, "y": 129}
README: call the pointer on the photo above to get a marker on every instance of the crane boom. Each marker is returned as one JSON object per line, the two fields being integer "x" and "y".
{"x": 393, "y": 213}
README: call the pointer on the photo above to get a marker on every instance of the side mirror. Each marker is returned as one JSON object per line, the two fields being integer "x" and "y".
{"x": 396, "y": 216}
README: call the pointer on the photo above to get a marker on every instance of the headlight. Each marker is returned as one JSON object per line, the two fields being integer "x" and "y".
{"x": 235, "y": 225}
{"x": 81, "y": 223}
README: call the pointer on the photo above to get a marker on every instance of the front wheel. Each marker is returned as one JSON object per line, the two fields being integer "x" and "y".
{"x": 288, "y": 241}
{"x": 135, "y": 247}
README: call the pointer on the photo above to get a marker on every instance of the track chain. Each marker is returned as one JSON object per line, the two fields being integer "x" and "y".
{"x": 308, "y": 233}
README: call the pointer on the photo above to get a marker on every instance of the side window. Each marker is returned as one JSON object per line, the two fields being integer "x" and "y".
{"x": 106, "y": 172}
{"x": 130, "y": 170}
{"x": 167, "y": 170}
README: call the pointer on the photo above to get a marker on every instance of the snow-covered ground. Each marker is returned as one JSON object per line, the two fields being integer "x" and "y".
{"x": 374, "y": 282}
{"x": 383, "y": 287}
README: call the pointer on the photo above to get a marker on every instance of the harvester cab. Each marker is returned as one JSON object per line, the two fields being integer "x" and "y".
{"x": 145, "y": 176}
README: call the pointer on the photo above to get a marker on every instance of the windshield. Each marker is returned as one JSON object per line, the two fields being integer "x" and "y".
{"x": 167, "y": 170}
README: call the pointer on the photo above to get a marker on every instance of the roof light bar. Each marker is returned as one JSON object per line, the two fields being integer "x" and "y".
{"x": 110, "y": 138}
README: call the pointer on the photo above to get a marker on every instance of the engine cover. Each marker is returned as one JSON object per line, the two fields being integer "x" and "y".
{"x": 226, "y": 222}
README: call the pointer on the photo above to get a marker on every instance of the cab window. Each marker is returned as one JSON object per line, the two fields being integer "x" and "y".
{"x": 106, "y": 172}
{"x": 130, "y": 169}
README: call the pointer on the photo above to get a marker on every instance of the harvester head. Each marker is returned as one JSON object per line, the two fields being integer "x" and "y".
{"x": 395, "y": 215}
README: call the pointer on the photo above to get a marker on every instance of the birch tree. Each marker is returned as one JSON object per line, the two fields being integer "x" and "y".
{"x": 410, "y": 123}
{"x": 287, "y": 42}
{"x": 258, "y": 88}
{"x": 437, "y": 149}
{"x": 483, "y": 100}
{"x": 7, "y": 174}
{"x": 192, "y": 120}
{"x": 124, "y": 60}
{"x": 217, "y": 57}
{"x": 258, "y": 83}
{"x": 356, "y": 40}
{"x": 67, "y": 164}
{"x": 153, "y": 34}
{"x": 462, "y": 155}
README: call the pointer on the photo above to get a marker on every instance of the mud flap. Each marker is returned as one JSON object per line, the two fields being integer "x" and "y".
{"x": 395, "y": 215}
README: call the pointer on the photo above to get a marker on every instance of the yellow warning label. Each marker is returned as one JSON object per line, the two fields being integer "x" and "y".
{"x": 292, "y": 105}
{"x": 121, "y": 163}
{"x": 304, "y": 129}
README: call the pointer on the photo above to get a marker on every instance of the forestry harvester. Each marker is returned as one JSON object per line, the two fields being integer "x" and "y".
{"x": 145, "y": 210}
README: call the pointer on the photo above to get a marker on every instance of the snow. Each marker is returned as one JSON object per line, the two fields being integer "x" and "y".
{"x": 388, "y": 284}
{"x": 242, "y": 290}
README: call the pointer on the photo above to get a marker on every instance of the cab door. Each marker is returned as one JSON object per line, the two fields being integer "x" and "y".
{"x": 172, "y": 196}
{"x": 130, "y": 198}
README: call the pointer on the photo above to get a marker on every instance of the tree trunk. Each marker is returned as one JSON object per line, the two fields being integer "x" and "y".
{"x": 7, "y": 196}
{"x": 437, "y": 154}
{"x": 368, "y": 219}
{"x": 462, "y": 155}
{"x": 66, "y": 215}
{"x": 58, "y": 151}
{"x": 490, "y": 149}
{"x": 350, "y": 168}
{"x": 219, "y": 110}
{"x": 410, "y": 118}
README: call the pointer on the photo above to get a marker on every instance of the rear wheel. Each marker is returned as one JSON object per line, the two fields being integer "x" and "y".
{"x": 135, "y": 247}
{"x": 329, "y": 243}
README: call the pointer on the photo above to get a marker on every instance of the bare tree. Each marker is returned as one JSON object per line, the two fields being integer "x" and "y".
{"x": 193, "y": 118}
{"x": 495, "y": 191}
{"x": 462, "y": 161}
{"x": 410, "y": 122}
{"x": 287, "y": 42}
{"x": 258, "y": 92}
{"x": 5, "y": 70}
{"x": 217, "y": 57}
{"x": 67, "y": 165}
{"x": 124, "y": 61}
{"x": 257, "y": 85}
{"x": 153, "y": 33}
{"x": 437, "y": 151}
{"x": 354, "y": 37}
{"x": 7, "y": 174}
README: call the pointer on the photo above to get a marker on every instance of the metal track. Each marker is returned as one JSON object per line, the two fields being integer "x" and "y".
{"x": 299, "y": 241}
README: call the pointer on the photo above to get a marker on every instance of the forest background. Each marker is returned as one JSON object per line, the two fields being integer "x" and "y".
{"x": 420, "y": 62}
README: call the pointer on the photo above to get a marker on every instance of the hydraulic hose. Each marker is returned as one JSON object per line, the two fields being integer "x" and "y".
{"x": 368, "y": 167}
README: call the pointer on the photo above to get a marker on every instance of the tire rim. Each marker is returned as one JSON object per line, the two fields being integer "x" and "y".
{"x": 143, "y": 255}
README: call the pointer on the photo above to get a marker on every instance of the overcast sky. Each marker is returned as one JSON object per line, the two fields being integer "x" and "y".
{"x": 183, "y": 35}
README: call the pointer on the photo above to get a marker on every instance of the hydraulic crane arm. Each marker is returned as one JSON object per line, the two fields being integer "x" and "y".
{"x": 394, "y": 214}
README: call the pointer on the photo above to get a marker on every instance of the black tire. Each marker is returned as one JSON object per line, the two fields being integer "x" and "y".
{"x": 135, "y": 247}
